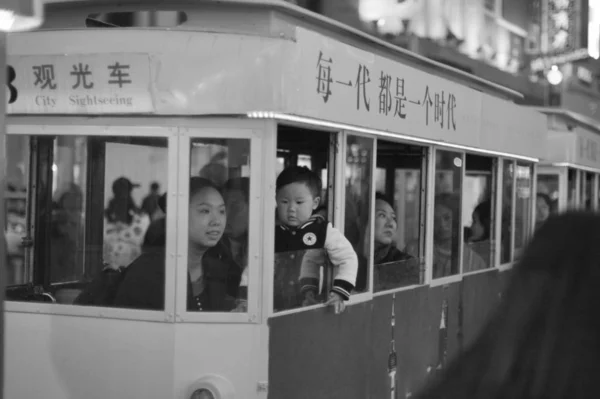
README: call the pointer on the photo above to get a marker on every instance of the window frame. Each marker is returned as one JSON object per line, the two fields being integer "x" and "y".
{"x": 423, "y": 212}
{"x": 69, "y": 126}
{"x": 223, "y": 130}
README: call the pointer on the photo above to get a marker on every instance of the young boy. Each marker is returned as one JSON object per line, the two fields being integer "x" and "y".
{"x": 301, "y": 241}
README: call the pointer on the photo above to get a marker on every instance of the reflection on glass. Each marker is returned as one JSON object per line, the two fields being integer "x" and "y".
{"x": 398, "y": 216}
{"x": 17, "y": 165}
{"x": 84, "y": 210}
{"x": 523, "y": 207}
{"x": 446, "y": 225}
{"x": 507, "y": 209}
{"x": 358, "y": 203}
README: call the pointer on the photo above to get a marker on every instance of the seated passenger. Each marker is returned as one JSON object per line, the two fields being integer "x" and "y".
{"x": 393, "y": 268}
{"x": 445, "y": 254}
{"x": 302, "y": 238}
{"x": 213, "y": 275}
{"x": 543, "y": 207}
{"x": 479, "y": 238}
{"x": 237, "y": 194}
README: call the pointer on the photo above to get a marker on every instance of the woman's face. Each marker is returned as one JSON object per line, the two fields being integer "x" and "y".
{"x": 207, "y": 218}
{"x": 237, "y": 213}
{"x": 442, "y": 223}
{"x": 385, "y": 223}
{"x": 542, "y": 210}
{"x": 477, "y": 229}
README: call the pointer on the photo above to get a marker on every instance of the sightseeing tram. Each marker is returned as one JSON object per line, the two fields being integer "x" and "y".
{"x": 568, "y": 174}
{"x": 108, "y": 125}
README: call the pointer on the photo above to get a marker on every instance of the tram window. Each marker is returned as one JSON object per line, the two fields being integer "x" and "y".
{"x": 303, "y": 274}
{"x": 17, "y": 174}
{"x": 572, "y": 193}
{"x": 546, "y": 197}
{"x": 359, "y": 159}
{"x": 446, "y": 224}
{"x": 218, "y": 225}
{"x": 398, "y": 215}
{"x": 478, "y": 213}
{"x": 523, "y": 207}
{"x": 85, "y": 215}
{"x": 586, "y": 190}
{"x": 506, "y": 252}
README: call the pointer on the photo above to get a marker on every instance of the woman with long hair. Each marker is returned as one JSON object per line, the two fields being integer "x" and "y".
{"x": 543, "y": 340}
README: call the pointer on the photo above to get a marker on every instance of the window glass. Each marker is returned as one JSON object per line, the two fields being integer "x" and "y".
{"x": 523, "y": 207}
{"x": 507, "y": 211}
{"x": 304, "y": 269}
{"x": 398, "y": 215}
{"x": 17, "y": 186}
{"x": 218, "y": 218}
{"x": 88, "y": 227}
{"x": 586, "y": 190}
{"x": 478, "y": 213}
{"x": 572, "y": 190}
{"x": 546, "y": 201}
{"x": 447, "y": 210}
{"x": 359, "y": 158}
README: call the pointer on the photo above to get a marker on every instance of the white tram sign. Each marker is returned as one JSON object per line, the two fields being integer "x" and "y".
{"x": 80, "y": 84}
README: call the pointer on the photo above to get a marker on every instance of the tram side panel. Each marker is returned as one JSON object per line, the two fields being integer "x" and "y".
{"x": 87, "y": 357}
{"x": 317, "y": 354}
{"x": 415, "y": 346}
{"x": 480, "y": 296}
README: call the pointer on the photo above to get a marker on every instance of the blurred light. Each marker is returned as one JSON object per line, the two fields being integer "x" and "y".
{"x": 20, "y": 16}
{"x": 554, "y": 75}
{"x": 381, "y": 22}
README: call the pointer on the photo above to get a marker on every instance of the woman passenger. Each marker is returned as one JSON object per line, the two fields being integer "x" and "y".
{"x": 393, "y": 268}
{"x": 543, "y": 340}
{"x": 445, "y": 239}
{"x": 213, "y": 276}
{"x": 543, "y": 205}
{"x": 479, "y": 239}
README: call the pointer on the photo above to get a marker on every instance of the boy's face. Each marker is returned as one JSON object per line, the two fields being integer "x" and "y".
{"x": 295, "y": 204}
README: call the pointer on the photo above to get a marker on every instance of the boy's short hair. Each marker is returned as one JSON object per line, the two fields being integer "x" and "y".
{"x": 300, "y": 174}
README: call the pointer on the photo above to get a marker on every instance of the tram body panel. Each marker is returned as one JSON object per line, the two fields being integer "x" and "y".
{"x": 97, "y": 358}
{"x": 84, "y": 357}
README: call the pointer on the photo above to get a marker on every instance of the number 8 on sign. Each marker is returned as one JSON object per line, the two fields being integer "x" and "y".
{"x": 12, "y": 90}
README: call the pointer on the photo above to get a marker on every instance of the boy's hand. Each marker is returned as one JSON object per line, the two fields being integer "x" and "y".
{"x": 336, "y": 301}
{"x": 241, "y": 306}
{"x": 309, "y": 299}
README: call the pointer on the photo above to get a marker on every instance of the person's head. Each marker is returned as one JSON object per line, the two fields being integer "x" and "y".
{"x": 154, "y": 187}
{"x": 385, "y": 220}
{"x": 215, "y": 172}
{"x": 298, "y": 191}
{"x": 482, "y": 220}
{"x": 445, "y": 216}
{"x": 122, "y": 187}
{"x": 542, "y": 207}
{"x": 543, "y": 339}
{"x": 237, "y": 194}
{"x": 207, "y": 217}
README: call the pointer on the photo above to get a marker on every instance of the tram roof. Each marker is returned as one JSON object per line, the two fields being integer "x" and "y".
{"x": 571, "y": 116}
{"x": 62, "y": 10}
